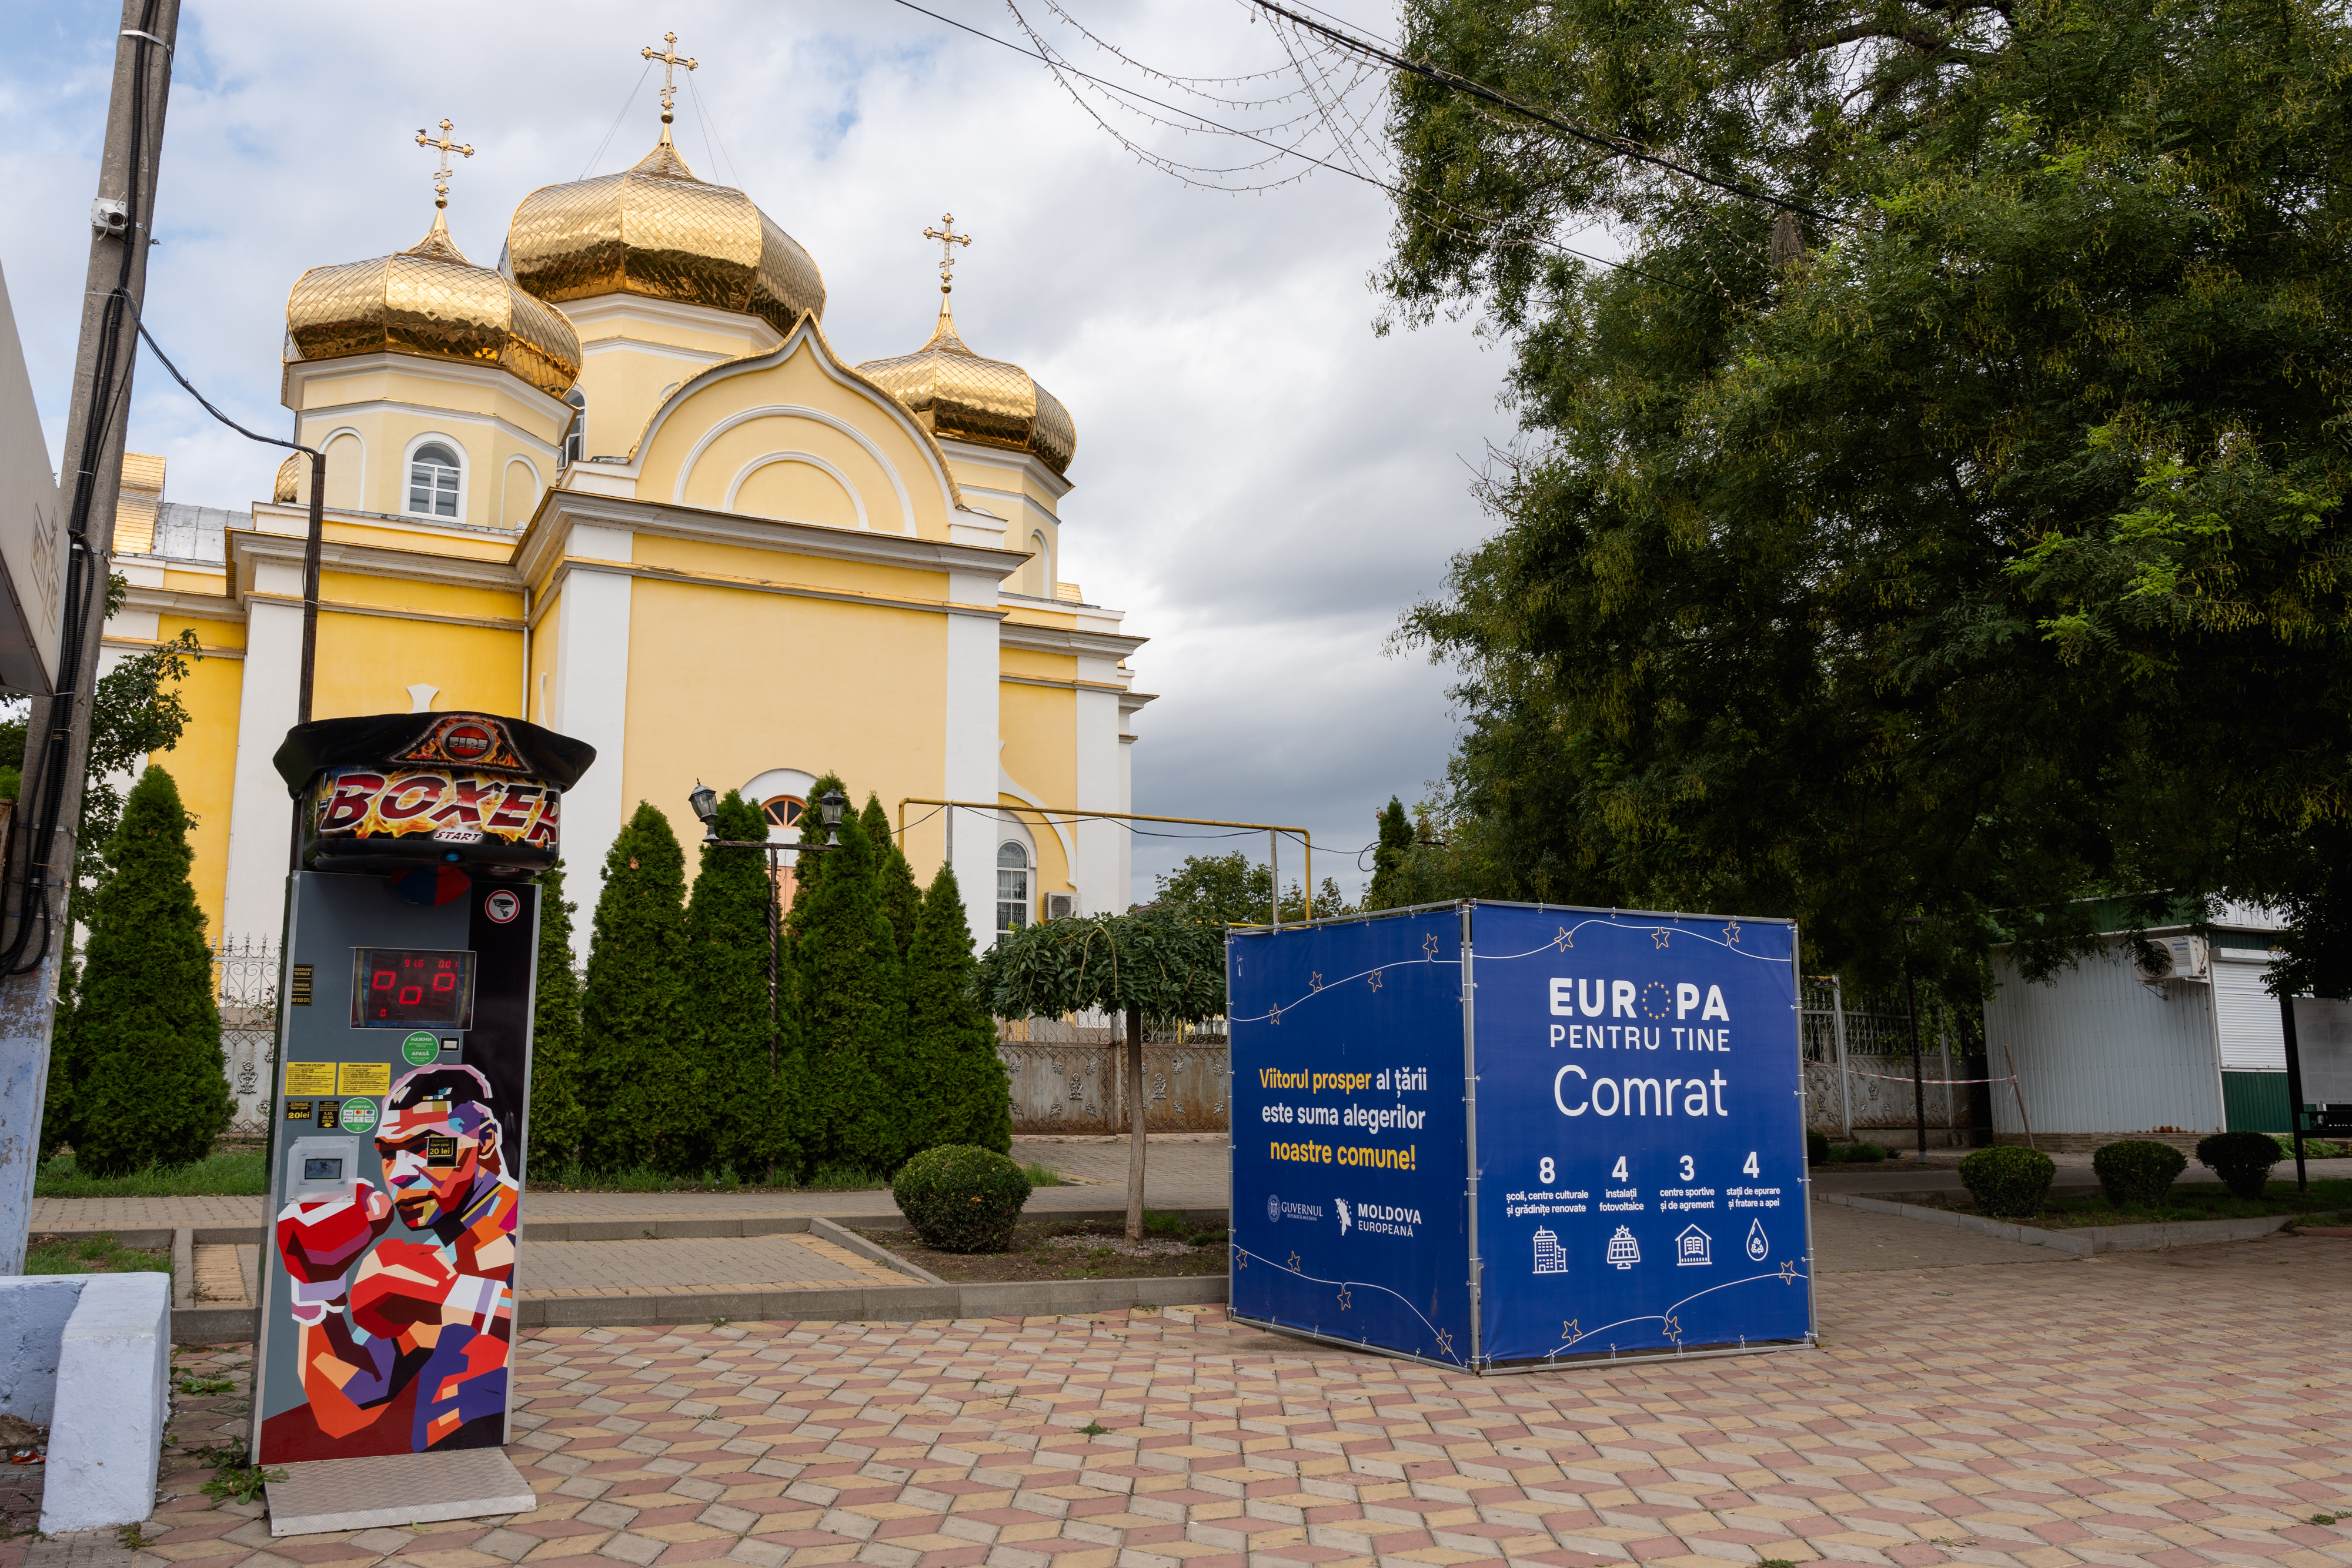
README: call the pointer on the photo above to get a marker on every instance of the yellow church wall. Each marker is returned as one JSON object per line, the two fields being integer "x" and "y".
{"x": 213, "y": 582}
{"x": 624, "y": 386}
{"x": 426, "y": 598}
{"x": 540, "y": 684}
{"x": 800, "y": 382}
{"x": 803, "y": 571}
{"x": 204, "y": 763}
{"x": 464, "y": 546}
{"x": 815, "y": 683}
{"x": 385, "y": 407}
{"x": 1044, "y": 666}
{"x": 367, "y": 663}
{"x": 1039, "y": 728}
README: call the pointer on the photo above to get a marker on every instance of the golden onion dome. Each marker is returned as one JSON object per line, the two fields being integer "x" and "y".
{"x": 955, "y": 393}
{"x": 659, "y": 231}
{"x": 430, "y": 301}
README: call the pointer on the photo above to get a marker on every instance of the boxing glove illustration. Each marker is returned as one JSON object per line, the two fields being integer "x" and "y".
{"x": 320, "y": 1238}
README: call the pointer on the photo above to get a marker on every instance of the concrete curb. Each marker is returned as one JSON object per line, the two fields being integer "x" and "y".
{"x": 925, "y": 1296}
{"x": 2085, "y": 1240}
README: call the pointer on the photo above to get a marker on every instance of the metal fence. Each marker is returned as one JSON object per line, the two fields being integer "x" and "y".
{"x": 1069, "y": 1075}
{"x": 245, "y": 975}
{"x": 1858, "y": 1065}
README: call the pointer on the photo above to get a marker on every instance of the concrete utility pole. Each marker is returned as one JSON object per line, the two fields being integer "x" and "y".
{"x": 39, "y": 869}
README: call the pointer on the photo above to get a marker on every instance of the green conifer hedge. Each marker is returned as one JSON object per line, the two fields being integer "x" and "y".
{"x": 736, "y": 1110}
{"x": 146, "y": 1033}
{"x": 951, "y": 1037}
{"x": 632, "y": 1009}
{"x": 852, "y": 1010}
{"x": 555, "y": 1124}
{"x": 901, "y": 900}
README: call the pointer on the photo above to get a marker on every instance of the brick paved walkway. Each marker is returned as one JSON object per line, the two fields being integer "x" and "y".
{"x": 2174, "y": 1409}
{"x": 653, "y": 1267}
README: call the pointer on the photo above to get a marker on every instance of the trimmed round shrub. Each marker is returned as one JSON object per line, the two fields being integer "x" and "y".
{"x": 960, "y": 1198}
{"x": 2008, "y": 1181}
{"x": 1817, "y": 1149}
{"x": 2242, "y": 1160}
{"x": 2136, "y": 1172}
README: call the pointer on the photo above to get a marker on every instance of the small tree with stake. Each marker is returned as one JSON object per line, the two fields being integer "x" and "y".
{"x": 1151, "y": 963}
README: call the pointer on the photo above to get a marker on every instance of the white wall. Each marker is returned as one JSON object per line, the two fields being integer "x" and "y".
{"x": 2097, "y": 1052}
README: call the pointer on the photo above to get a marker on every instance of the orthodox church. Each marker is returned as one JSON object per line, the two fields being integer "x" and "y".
{"x": 623, "y": 486}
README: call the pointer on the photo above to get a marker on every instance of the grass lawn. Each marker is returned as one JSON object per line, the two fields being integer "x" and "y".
{"x": 2200, "y": 1202}
{"x": 241, "y": 1172}
{"x": 235, "y": 1172}
{"x": 98, "y": 1254}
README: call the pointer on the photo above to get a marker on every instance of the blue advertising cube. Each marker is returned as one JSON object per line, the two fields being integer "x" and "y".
{"x": 1503, "y": 1136}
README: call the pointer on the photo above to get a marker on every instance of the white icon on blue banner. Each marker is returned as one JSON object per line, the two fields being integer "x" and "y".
{"x": 1623, "y": 1251}
{"x": 1551, "y": 1258}
{"x": 1759, "y": 1249}
{"x": 1694, "y": 1248}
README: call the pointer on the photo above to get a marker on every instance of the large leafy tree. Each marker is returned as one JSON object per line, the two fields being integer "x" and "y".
{"x": 1231, "y": 889}
{"x": 1157, "y": 963}
{"x": 1939, "y": 513}
{"x": 633, "y": 1010}
{"x": 144, "y": 1040}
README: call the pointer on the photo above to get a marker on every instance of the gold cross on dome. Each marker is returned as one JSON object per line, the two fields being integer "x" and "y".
{"x": 670, "y": 60}
{"x": 444, "y": 144}
{"x": 949, "y": 239}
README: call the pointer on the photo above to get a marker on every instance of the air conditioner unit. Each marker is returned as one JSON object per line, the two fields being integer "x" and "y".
{"x": 2174, "y": 959}
{"x": 1061, "y": 906}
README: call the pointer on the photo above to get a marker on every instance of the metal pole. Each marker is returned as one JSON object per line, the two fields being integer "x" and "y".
{"x": 1911, "y": 1013}
{"x": 1845, "y": 1078}
{"x": 2293, "y": 1089}
{"x": 1944, "y": 1043}
{"x": 1274, "y": 869}
{"x": 310, "y": 552}
{"x": 1470, "y": 1132}
{"x": 40, "y": 874}
{"x": 775, "y": 937}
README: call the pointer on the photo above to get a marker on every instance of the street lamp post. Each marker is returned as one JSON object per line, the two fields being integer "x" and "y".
{"x": 705, "y": 802}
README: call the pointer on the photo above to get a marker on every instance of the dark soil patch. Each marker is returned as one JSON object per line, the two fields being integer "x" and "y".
{"x": 1034, "y": 1256}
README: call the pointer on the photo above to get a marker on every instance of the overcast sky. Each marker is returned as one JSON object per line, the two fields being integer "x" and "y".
{"x": 1262, "y": 483}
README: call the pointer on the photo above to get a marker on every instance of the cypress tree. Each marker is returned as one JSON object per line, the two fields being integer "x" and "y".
{"x": 147, "y": 1029}
{"x": 631, "y": 1011}
{"x": 852, "y": 1010}
{"x": 1389, "y": 857}
{"x": 65, "y": 1068}
{"x": 951, "y": 1037}
{"x": 810, "y": 871}
{"x": 734, "y": 1116}
{"x": 901, "y": 900}
{"x": 552, "y": 1133}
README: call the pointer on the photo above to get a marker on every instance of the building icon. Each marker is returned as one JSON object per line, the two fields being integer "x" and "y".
{"x": 1551, "y": 1258}
{"x": 1623, "y": 1251}
{"x": 1694, "y": 1248}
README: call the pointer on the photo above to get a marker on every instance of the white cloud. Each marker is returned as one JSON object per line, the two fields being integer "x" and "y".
{"x": 1262, "y": 482}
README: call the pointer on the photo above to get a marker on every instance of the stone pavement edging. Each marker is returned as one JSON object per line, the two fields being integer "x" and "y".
{"x": 926, "y": 1296}
{"x": 2084, "y": 1241}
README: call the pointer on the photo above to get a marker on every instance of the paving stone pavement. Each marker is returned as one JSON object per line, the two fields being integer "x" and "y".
{"x": 1182, "y": 1172}
{"x": 653, "y": 1267}
{"x": 2175, "y": 1409}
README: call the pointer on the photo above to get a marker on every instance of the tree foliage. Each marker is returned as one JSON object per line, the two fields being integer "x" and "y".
{"x": 1230, "y": 890}
{"x": 726, "y": 1080}
{"x": 1389, "y": 857}
{"x": 853, "y": 1005}
{"x": 901, "y": 900}
{"x": 1966, "y": 544}
{"x": 1168, "y": 964}
{"x": 633, "y": 1011}
{"x": 962, "y": 1094}
{"x": 144, "y": 1048}
{"x": 556, "y": 1122}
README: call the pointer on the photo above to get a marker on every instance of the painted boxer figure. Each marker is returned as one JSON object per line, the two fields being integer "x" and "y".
{"x": 410, "y": 1352}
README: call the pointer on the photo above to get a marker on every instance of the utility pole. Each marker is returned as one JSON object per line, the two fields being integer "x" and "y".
{"x": 38, "y": 873}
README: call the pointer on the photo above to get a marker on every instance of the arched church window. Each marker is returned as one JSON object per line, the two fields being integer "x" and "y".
{"x": 577, "y": 433}
{"x": 1012, "y": 888}
{"x": 433, "y": 481}
{"x": 783, "y": 812}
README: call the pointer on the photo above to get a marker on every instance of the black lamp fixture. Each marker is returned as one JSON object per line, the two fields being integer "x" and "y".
{"x": 832, "y": 803}
{"x": 705, "y": 802}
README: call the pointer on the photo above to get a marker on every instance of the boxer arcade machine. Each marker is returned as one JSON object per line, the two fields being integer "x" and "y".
{"x": 398, "y": 1148}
